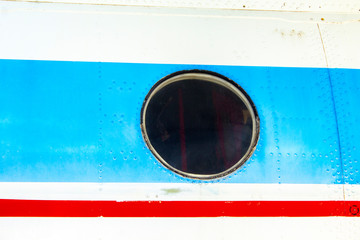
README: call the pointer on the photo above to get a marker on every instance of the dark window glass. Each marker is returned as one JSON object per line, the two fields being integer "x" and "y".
{"x": 198, "y": 125}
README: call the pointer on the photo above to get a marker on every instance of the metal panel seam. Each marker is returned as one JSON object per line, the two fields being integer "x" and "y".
{"x": 334, "y": 107}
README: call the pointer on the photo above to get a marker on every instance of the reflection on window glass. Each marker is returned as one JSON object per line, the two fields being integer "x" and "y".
{"x": 198, "y": 127}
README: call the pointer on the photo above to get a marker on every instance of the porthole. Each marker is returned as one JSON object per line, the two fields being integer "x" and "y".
{"x": 199, "y": 124}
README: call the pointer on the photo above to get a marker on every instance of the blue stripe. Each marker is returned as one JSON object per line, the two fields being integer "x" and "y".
{"x": 346, "y": 85}
{"x": 80, "y": 122}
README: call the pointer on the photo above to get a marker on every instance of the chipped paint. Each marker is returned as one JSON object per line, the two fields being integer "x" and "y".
{"x": 290, "y": 33}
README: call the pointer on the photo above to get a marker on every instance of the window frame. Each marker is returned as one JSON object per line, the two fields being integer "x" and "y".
{"x": 215, "y": 78}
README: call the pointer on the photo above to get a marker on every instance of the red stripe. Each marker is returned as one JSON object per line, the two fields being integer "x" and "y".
{"x": 65, "y": 208}
{"x": 182, "y": 132}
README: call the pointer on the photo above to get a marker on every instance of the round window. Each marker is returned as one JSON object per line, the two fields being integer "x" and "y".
{"x": 199, "y": 124}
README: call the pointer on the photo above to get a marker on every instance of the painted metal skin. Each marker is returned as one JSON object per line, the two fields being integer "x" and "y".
{"x": 73, "y": 78}
{"x": 79, "y": 122}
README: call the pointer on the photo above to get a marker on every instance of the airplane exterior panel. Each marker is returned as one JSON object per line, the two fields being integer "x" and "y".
{"x": 79, "y": 121}
{"x": 73, "y": 80}
{"x": 346, "y": 88}
{"x": 161, "y": 35}
{"x": 180, "y": 228}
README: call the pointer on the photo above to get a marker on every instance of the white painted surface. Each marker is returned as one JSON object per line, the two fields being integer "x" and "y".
{"x": 73, "y": 32}
{"x": 328, "y": 228}
{"x": 347, "y": 6}
{"x": 341, "y": 42}
{"x": 173, "y": 191}
{"x": 352, "y": 192}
